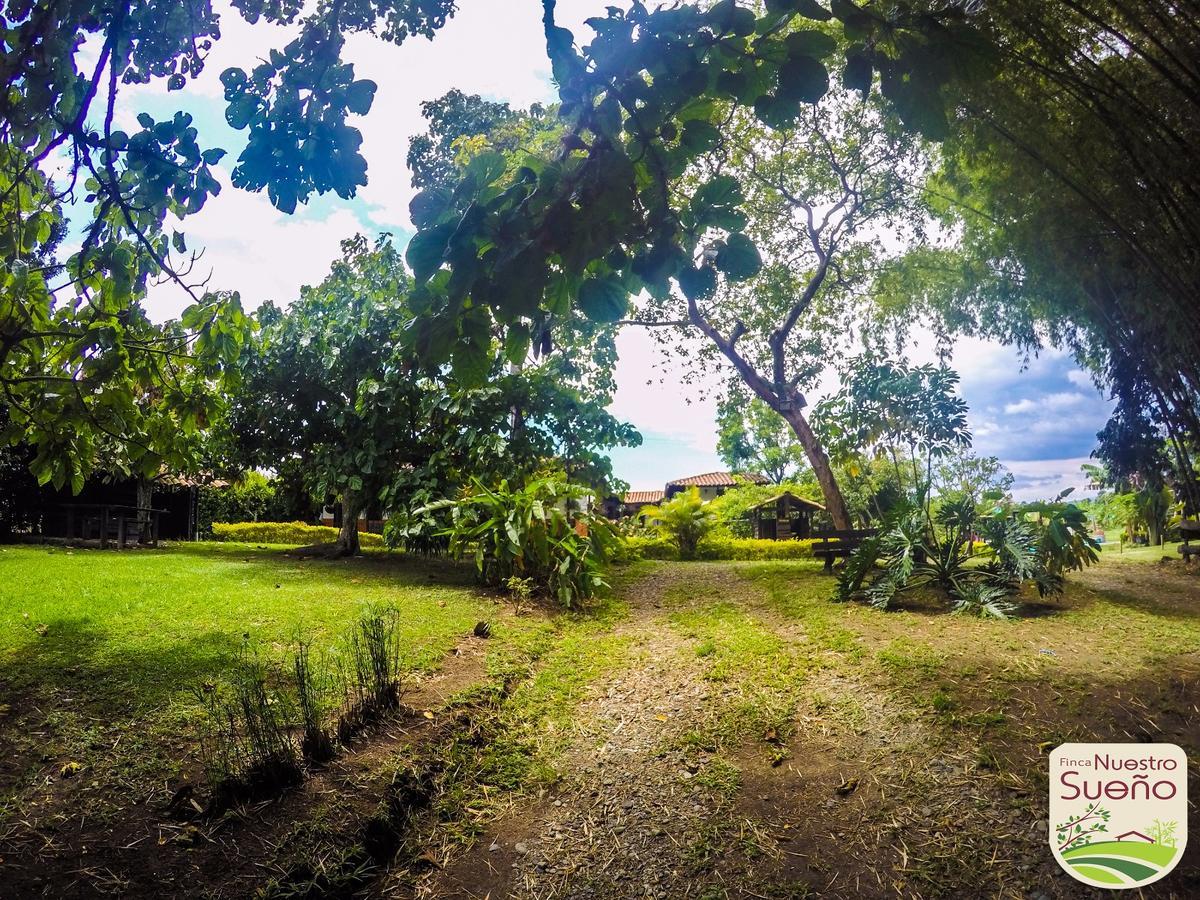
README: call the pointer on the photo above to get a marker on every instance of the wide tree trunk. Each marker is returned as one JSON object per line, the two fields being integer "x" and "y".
{"x": 347, "y": 541}
{"x": 835, "y": 503}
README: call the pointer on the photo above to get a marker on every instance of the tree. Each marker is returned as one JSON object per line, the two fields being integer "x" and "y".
{"x": 1072, "y": 183}
{"x": 752, "y": 437}
{"x": 904, "y": 413}
{"x": 815, "y": 199}
{"x": 432, "y": 157}
{"x": 978, "y": 478}
{"x": 328, "y": 384}
{"x": 87, "y": 379}
{"x": 585, "y": 226}
{"x": 333, "y": 385}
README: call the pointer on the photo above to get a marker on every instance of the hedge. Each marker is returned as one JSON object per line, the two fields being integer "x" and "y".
{"x": 297, "y": 533}
{"x": 714, "y": 548}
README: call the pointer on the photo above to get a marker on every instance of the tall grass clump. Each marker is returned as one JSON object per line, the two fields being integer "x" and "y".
{"x": 247, "y": 746}
{"x": 315, "y": 697}
{"x": 260, "y": 725}
{"x": 370, "y": 669}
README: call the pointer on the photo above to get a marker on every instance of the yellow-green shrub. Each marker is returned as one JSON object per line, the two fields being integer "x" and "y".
{"x": 297, "y": 533}
{"x": 720, "y": 547}
{"x": 643, "y": 547}
{"x": 717, "y": 547}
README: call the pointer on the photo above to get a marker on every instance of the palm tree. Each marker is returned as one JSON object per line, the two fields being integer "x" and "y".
{"x": 685, "y": 518}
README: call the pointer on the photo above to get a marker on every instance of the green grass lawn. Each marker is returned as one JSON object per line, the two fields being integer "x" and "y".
{"x": 103, "y": 653}
{"x": 137, "y": 629}
{"x": 1133, "y": 553}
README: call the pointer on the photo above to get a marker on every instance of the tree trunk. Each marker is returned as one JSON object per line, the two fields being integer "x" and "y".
{"x": 785, "y": 401}
{"x": 145, "y": 499}
{"x": 347, "y": 541}
{"x": 835, "y": 503}
{"x": 1153, "y": 532}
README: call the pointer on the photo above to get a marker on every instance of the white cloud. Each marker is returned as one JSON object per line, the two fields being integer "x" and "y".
{"x": 251, "y": 247}
{"x": 1021, "y": 406}
{"x": 1081, "y": 379}
{"x": 1055, "y": 402}
{"x": 1045, "y": 479}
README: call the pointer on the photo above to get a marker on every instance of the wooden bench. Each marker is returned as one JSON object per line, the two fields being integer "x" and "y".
{"x": 1189, "y": 529}
{"x": 839, "y": 543}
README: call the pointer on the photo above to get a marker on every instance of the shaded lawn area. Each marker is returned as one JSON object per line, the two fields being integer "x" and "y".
{"x": 102, "y": 652}
{"x": 138, "y": 629}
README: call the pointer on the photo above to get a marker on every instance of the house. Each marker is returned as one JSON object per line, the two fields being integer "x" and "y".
{"x": 631, "y": 503}
{"x": 1136, "y": 835}
{"x": 712, "y": 484}
{"x": 103, "y": 508}
{"x": 783, "y": 517}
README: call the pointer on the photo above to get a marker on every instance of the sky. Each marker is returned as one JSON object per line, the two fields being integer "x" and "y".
{"x": 1039, "y": 416}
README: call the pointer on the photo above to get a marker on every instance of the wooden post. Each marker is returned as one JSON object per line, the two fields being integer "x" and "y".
{"x": 121, "y": 520}
{"x": 104, "y": 528}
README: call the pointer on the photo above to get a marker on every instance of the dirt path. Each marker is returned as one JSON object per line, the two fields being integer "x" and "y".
{"x": 749, "y": 751}
{"x": 651, "y": 807}
{"x": 622, "y": 822}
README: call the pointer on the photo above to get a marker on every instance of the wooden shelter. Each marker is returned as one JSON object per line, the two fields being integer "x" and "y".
{"x": 784, "y": 517}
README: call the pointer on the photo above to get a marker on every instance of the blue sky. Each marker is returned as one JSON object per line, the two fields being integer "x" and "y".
{"x": 1039, "y": 416}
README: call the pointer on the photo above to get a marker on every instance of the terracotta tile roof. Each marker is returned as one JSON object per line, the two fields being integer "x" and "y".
{"x": 642, "y": 498}
{"x": 718, "y": 479}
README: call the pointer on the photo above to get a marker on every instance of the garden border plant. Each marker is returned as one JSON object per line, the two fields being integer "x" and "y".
{"x": 260, "y": 727}
{"x": 940, "y": 550}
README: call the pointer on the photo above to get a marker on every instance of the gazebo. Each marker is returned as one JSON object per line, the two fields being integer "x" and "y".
{"x": 783, "y": 517}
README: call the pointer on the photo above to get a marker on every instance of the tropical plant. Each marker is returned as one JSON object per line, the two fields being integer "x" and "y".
{"x": 1065, "y": 542}
{"x": 978, "y": 576}
{"x": 538, "y": 531}
{"x": 685, "y": 519}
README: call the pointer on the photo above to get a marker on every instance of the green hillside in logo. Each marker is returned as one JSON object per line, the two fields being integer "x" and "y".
{"x": 1124, "y": 863}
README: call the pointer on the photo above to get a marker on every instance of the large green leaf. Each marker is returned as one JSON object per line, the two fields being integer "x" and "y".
{"x": 739, "y": 259}
{"x": 858, "y": 73}
{"x": 699, "y": 136}
{"x": 698, "y": 284}
{"x": 427, "y": 249}
{"x": 803, "y": 78}
{"x": 486, "y": 167}
{"x": 810, "y": 42}
{"x": 603, "y": 299}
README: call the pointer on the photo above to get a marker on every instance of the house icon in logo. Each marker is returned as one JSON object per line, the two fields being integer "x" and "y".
{"x": 1137, "y": 835}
